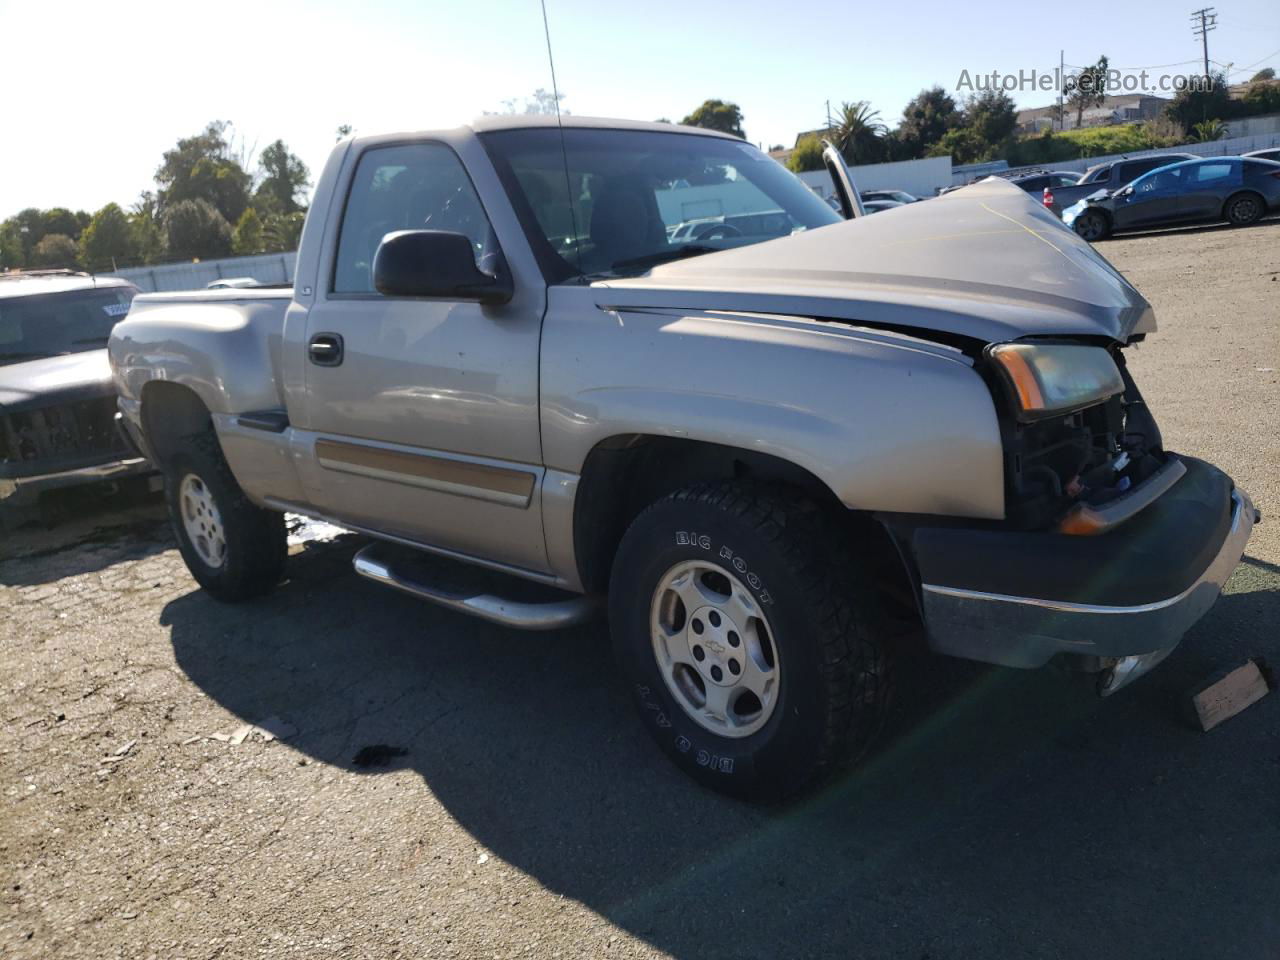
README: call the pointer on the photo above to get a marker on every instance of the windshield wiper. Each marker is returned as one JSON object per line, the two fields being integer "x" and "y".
{"x": 662, "y": 256}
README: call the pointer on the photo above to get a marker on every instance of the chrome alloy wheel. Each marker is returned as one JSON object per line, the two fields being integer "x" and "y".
{"x": 714, "y": 648}
{"x": 201, "y": 520}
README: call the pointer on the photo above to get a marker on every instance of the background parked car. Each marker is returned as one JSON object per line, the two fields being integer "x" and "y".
{"x": 1036, "y": 182}
{"x": 1110, "y": 176}
{"x": 897, "y": 196}
{"x": 1236, "y": 189}
{"x": 878, "y": 206}
{"x": 58, "y": 423}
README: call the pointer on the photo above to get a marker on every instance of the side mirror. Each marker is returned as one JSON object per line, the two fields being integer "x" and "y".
{"x": 435, "y": 263}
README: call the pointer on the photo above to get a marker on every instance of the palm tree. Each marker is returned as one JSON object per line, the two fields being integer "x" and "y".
{"x": 856, "y": 132}
{"x": 1207, "y": 130}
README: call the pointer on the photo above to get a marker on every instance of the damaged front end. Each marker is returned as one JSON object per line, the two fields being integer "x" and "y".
{"x": 1112, "y": 547}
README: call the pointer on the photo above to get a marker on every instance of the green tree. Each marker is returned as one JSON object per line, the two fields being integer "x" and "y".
{"x": 963, "y": 145}
{"x": 282, "y": 231}
{"x": 1088, "y": 88}
{"x": 146, "y": 228}
{"x": 717, "y": 115}
{"x": 55, "y": 250}
{"x": 12, "y": 251}
{"x": 247, "y": 238}
{"x": 284, "y": 177}
{"x": 203, "y": 168}
{"x": 542, "y": 103}
{"x": 60, "y": 220}
{"x": 107, "y": 241}
{"x": 194, "y": 229}
{"x": 926, "y": 119}
{"x": 1266, "y": 73}
{"x": 992, "y": 116}
{"x": 344, "y": 130}
{"x": 858, "y": 133}
{"x": 806, "y": 156}
{"x": 1189, "y": 106}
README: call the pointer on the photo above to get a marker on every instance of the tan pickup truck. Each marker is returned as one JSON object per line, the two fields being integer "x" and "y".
{"x": 766, "y": 451}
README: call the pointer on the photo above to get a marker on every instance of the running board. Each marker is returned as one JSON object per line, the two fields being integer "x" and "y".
{"x": 550, "y": 615}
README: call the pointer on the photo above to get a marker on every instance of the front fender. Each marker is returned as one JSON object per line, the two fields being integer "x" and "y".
{"x": 887, "y": 422}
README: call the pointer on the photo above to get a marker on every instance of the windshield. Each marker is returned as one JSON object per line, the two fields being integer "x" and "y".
{"x": 50, "y": 324}
{"x": 634, "y": 198}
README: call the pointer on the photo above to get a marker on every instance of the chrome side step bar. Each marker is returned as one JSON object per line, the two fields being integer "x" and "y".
{"x": 551, "y": 615}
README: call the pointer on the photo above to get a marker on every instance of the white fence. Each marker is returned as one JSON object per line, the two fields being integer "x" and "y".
{"x": 265, "y": 268}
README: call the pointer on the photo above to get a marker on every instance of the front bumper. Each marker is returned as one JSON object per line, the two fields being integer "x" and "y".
{"x": 1135, "y": 590}
{"x": 23, "y": 491}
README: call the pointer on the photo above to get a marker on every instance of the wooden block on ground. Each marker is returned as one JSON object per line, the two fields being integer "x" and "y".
{"x": 1225, "y": 696}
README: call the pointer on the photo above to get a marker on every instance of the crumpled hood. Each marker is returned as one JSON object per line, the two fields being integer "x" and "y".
{"x": 53, "y": 380}
{"x": 986, "y": 262}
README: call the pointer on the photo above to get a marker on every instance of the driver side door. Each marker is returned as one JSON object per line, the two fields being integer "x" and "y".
{"x": 421, "y": 414}
{"x": 1150, "y": 200}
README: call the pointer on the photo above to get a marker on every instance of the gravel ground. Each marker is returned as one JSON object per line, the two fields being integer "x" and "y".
{"x": 510, "y": 806}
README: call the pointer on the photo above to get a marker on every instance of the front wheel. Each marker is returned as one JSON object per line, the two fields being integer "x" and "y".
{"x": 1092, "y": 226}
{"x": 234, "y": 550}
{"x": 748, "y": 636}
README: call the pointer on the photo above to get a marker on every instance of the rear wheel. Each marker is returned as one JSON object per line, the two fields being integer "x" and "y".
{"x": 749, "y": 638}
{"x": 1242, "y": 209}
{"x": 1093, "y": 226}
{"x": 235, "y": 550}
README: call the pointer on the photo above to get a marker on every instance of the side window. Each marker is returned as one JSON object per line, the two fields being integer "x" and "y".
{"x": 1128, "y": 171}
{"x": 1158, "y": 181}
{"x": 1209, "y": 173}
{"x": 417, "y": 186}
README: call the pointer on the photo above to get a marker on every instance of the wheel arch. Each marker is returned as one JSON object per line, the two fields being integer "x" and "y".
{"x": 170, "y": 412}
{"x": 625, "y": 473}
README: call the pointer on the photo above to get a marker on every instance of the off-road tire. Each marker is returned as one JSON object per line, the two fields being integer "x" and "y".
{"x": 1243, "y": 208}
{"x": 1085, "y": 226}
{"x": 835, "y": 683}
{"x": 256, "y": 542}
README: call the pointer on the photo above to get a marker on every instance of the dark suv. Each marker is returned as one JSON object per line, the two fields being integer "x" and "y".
{"x": 57, "y": 400}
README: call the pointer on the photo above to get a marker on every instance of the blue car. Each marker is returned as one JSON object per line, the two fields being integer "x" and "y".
{"x": 1239, "y": 190}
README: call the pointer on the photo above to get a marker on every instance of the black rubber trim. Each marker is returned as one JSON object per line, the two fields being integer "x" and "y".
{"x": 272, "y": 421}
{"x": 1153, "y": 557}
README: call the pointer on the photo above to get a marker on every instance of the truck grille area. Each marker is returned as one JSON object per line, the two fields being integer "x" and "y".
{"x": 69, "y": 432}
{"x": 1090, "y": 456}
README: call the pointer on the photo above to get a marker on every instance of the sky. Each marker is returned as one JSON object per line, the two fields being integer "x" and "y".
{"x": 96, "y": 92}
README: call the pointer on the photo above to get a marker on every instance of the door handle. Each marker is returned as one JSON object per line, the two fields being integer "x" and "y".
{"x": 325, "y": 349}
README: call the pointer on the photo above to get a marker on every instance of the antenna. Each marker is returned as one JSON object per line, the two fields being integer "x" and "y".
{"x": 564, "y": 150}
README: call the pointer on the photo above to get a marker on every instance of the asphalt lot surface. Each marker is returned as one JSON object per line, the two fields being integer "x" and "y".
{"x": 513, "y": 807}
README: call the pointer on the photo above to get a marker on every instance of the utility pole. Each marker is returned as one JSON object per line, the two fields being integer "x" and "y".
{"x": 1062, "y": 80}
{"x": 1202, "y": 21}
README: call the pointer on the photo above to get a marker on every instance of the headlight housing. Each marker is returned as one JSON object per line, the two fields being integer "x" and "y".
{"x": 1048, "y": 379}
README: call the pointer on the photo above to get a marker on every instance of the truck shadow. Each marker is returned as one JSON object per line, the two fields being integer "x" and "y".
{"x": 1007, "y": 813}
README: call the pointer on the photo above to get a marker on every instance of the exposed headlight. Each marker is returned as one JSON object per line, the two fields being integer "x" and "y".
{"x": 1055, "y": 378}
